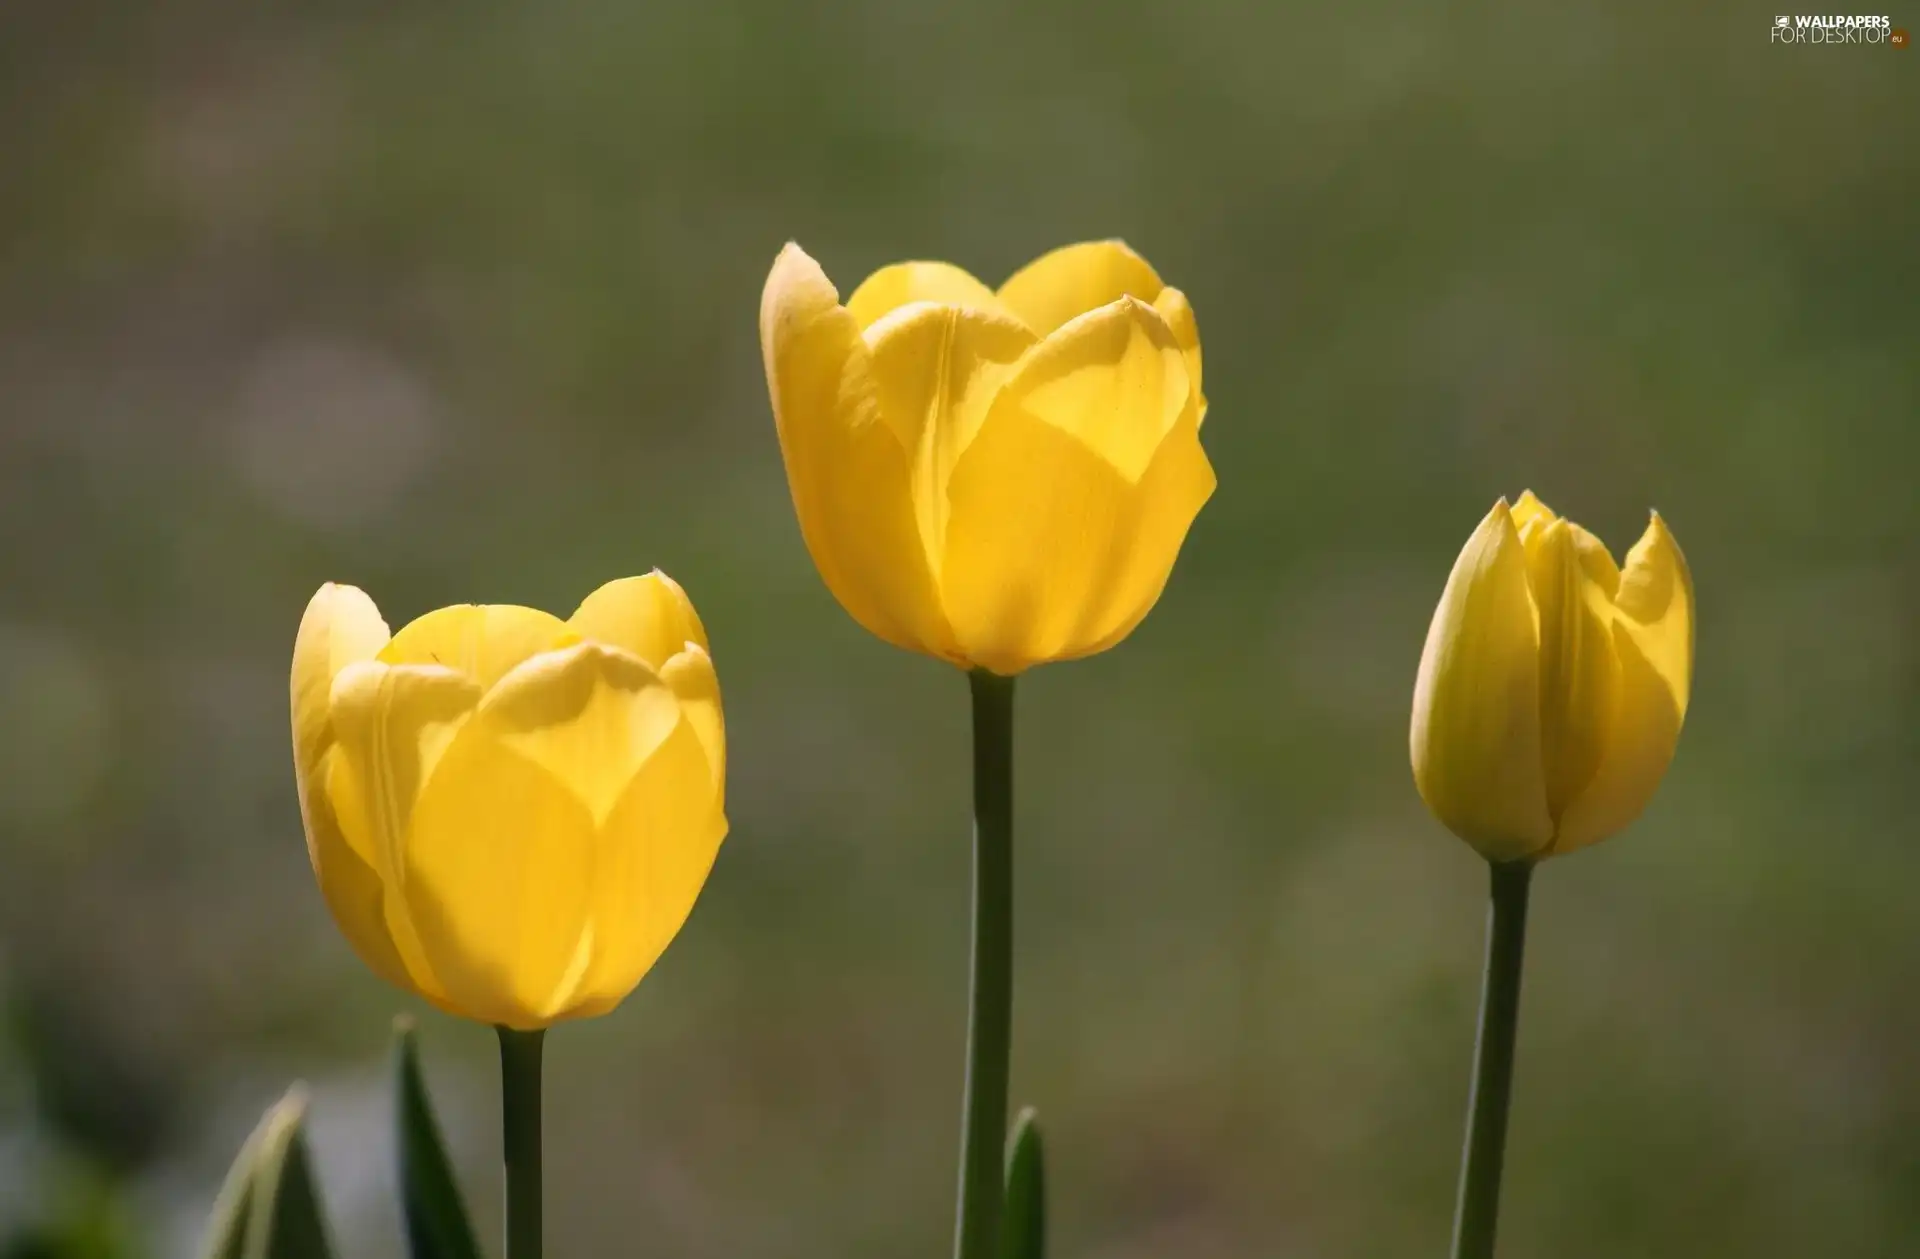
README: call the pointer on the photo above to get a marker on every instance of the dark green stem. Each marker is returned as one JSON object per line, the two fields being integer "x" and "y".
{"x": 1478, "y": 1210}
{"x": 990, "y": 1015}
{"x": 520, "y": 1138}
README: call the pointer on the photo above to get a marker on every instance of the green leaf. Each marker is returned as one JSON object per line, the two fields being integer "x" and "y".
{"x": 1023, "y": 1225}
{"x": 436, "y": 1218}
{"x": 269, "y": 1207}
{"x": 227, "y": 1231}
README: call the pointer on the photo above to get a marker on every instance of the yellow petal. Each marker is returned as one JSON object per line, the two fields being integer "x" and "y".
{"x": 1176, "y": 486}
{"x": 502, "y": 856}
{"x": 850, "y": 477}
{"x": 652, "y": 617}
{"x": 341, "y": 626}
{"x": 482, "y": 641}
{"x": 1596, "y": 560}
{"x": 349, "y": 881}
{"x": 655, "y": 851}
{"x": 1075, "y": 279}
{"x": 1577, "y": 667}
{"x": 1527, "y": 509}
{"x": 1532, "y": 518}
{"x": 904, "y": 283}
{"x": 694, "y": 683}
{"x": 1178, "y": 312}
{"x": 1047, "y": 502}
{"x": 394, "y": 723}
{"x": 1656, "y": 600}
{"x": 649, "y": 616}
{"x": 937, "y": 369}
{"x": 1653, "y": 642}
{"x": 590, "y": 715}
{"x": 1476, "y": 704}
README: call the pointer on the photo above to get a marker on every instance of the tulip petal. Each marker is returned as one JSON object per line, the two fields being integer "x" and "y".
{"x": 1530, "y": 514}
{"x": 1475, "y": 738}
{"x": 1176, "y": 486}
{"x": 482, "y": 640}
{"x": 1046, "y": 500}
{"x": 395, "y": 723}
{"x": 937, "y": 369}
{"x": 655, "y": 851}
{"x": 1653, "y": 641}
{"x": 1596, "y": 560}
{"x": 501, "y": 859}
{"x": 694, "y": 683}
{"x": 1577, "y": 669}
{"x": 904, "y": 283}
{"x": 649, "y": 616}
{"x": 349, "y": 881}
{"x": 1074, "y": 279}
{"x": 1656, "y": 599}
{"x": 850, "y": 477}
{"x": 1178, "y": 312}
{"x": 589, "y": 714}
{"x": 1527, "y": 509}
{"x": 341, "y": 627}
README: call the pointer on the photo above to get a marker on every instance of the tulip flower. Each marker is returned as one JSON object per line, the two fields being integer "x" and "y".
{"x": 510, "y": 814}
{"x": 1553, "y": 684}
{"x": 997, "y": 478}
{"x": 1550, "y": 697}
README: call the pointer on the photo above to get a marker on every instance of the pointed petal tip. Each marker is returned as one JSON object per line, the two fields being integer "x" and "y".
{"x": 330, "y": 591}
{"x": 1125, "y": 308}
{"x": 1656, "y": 534}
{"x": 793, "y": 267}
{"x": 291, "y": 1110}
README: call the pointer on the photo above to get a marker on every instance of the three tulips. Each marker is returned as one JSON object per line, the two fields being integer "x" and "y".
{"x": 511, "y": 815}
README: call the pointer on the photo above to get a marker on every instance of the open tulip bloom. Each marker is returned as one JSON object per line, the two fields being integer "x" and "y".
{"x": 1548, "y": 705}
{"x": 509, "y": 814}
{"x": 997, "y": 478}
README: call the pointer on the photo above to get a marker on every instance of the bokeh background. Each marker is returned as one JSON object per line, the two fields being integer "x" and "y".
{"x": 457, "y": 302}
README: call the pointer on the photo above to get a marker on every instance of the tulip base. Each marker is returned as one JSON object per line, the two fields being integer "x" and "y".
{"x": 1478, "y": 1209}
{"x": 520, "y": 1139}
{"x": 990, "y": 1014}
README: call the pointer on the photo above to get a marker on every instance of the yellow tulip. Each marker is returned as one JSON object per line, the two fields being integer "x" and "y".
{"x": 995, "y": 478}
{"x": 510, "y": 814}
{"x": 1553, "y": 684}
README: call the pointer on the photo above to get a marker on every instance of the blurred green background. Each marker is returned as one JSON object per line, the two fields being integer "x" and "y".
{"x": 457, "y": 302}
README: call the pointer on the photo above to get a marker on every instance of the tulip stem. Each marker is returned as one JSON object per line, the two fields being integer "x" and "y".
{"x": 520, "y": 1138}
{"x": 1478, "y": 1209}
{"x": 990, "y": 1016}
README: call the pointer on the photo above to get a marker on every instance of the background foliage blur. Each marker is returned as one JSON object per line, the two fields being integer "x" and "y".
{"x": 457, "y": 302}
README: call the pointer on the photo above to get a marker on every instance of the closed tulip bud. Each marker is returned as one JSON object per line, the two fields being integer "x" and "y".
{"x": 509, "y": 814}
{"x": 1553, "y": 684}
{"x": 995, "y": 478}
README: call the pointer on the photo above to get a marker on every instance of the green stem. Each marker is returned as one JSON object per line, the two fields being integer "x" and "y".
{"x": 520, "y": 1138}
{"x": 990, "y": 1015}
{"x": 1478, "y": 1210}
